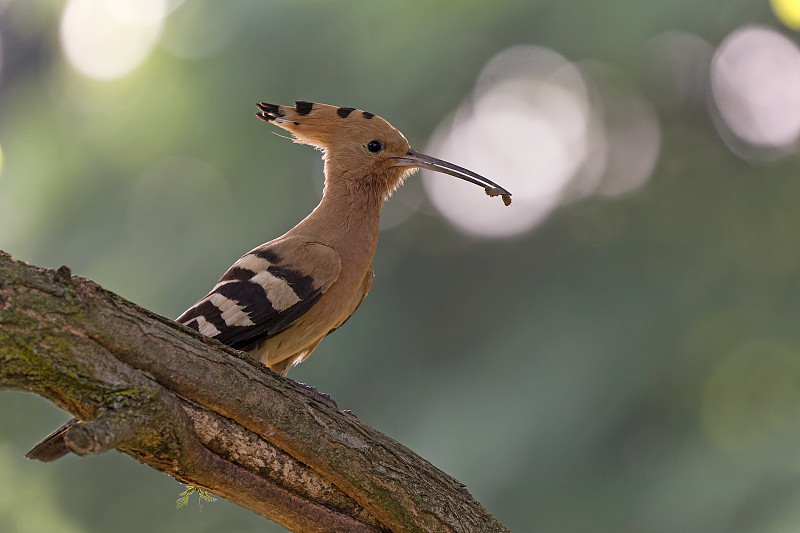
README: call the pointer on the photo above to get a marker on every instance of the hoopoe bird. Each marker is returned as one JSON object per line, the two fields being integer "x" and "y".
{"x": 279, "y": 300}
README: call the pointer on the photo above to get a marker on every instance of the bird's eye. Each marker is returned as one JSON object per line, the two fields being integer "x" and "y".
{"x": 374, "y": 146}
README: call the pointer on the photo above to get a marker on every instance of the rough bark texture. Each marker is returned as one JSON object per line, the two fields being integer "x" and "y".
{"x": 211, "y": 416}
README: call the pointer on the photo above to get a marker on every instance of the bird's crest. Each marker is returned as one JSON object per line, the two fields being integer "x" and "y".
{"x": 320, "y": 125}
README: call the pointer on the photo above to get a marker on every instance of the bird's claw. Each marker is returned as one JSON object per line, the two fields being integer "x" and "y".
{"x": 317, "y": 395}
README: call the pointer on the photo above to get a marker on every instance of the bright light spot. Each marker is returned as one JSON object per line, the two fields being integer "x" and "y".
{"x": 107, "y": 39}
{"x": 527, "y": 130}
{"x": 201, "y": 28}
{"x": 788, "y": 12}
{"x": 634, "y": 141}
{"x": 755, "y": 82}
{"x": 534, "y": 127}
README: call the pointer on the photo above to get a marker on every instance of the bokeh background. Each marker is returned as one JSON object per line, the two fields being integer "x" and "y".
{"x": 617, "y": 351}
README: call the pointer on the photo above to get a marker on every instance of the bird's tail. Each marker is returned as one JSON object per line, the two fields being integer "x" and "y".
{"x": 52, "y": 447}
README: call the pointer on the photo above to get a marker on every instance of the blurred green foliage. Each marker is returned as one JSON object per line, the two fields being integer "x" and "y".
{"x": 630, "y": 365}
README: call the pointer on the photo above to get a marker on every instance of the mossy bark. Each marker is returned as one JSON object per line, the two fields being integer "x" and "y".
{"x": 212, "y": 417}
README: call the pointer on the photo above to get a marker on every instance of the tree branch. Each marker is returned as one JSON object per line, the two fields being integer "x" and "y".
{"x": 211, "y": 416}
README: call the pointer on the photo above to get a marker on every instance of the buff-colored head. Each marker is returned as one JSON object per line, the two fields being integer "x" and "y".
{"x": 361, "y": 148}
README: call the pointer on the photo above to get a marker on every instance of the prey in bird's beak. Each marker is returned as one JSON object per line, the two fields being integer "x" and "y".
{"x": 414, "y": 159}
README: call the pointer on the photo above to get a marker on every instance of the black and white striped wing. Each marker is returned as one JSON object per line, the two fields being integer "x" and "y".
{"x": 265, "y": 291}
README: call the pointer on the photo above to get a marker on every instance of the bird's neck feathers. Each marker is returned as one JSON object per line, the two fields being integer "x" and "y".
{"x": 347, "y": 218}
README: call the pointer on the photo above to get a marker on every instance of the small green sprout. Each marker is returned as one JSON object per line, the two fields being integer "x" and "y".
{"x": 191, "y": 489}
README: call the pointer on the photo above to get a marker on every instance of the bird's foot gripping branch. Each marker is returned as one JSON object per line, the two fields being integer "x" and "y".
{"x": 211, "y": 416}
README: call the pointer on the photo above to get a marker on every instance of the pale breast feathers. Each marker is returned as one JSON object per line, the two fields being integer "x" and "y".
{"x": 264, "y": 292}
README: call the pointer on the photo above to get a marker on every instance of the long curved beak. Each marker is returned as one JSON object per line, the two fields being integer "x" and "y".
{"x": 415, "y": 159}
